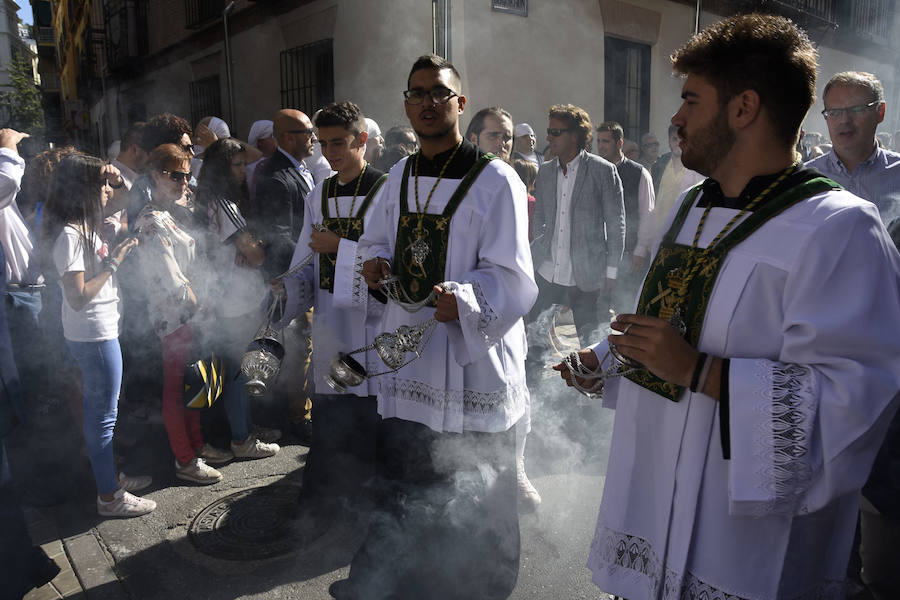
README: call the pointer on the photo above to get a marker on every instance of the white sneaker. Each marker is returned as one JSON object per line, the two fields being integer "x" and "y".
{"x": 215, "y": 456}
{"x": 529, "y": 498}
{"x": 197, "y": 471}
{"x": 125, "y": 505}
{"x": 135, "y": 483}
{"x": 253, "y": 448}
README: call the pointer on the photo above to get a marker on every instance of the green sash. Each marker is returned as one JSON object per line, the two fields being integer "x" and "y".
{"x": 352, "y": 225}
{"x": 658, "y": 295}
{"x": 417, "y": 279}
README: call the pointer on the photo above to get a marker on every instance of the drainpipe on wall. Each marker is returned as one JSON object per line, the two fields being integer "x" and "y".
{"x": 228, "y": 76}
{"x": 697, "y": 17}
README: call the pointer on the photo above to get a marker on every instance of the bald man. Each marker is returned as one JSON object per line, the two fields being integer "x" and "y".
{"x": 282, "y": 186}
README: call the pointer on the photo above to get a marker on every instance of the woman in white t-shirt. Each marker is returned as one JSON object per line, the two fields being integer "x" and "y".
{"x": 82, "y": 186}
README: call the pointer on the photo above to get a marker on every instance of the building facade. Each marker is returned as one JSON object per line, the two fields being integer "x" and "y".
{"x": 608, "y": 56}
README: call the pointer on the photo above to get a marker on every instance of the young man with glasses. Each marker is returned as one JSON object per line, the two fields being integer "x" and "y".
{"x": 447, "y": 525}
{"x": 854, "y": 106}
{"x": 491, "y": 129}
{"x": 764, "y": 350}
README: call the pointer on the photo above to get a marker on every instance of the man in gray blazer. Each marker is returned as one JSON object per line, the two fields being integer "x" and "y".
{"x": 578, "y": 225}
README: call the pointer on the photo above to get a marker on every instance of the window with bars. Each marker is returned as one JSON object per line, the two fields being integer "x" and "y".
{"x": 198, "y": 12}
{"x": 206, "y": 98}
{"x": 307, "y": 76}
{"x": 627, "y": 86}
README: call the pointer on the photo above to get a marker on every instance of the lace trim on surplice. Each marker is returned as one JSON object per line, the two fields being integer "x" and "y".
{"x": 486, "y": 316}
{"x": 781, "y": 445}
{"x": 359, "y": 291}
{"x": 472, "y": 402}
{"x": 619, "y": 551}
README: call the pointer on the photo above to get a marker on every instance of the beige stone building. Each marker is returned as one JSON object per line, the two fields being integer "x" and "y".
{"x": 607, "y": 56}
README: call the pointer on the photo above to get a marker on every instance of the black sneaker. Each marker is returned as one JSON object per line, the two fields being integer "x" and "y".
{"x": 303, "y": 432}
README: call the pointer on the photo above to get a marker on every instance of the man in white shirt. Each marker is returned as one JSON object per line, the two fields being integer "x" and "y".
{"x": 578, "y": 224}
{"x": 25, "y": 283}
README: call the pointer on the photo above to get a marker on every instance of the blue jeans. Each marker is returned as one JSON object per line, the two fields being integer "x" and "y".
{"x": 101, "y": 375}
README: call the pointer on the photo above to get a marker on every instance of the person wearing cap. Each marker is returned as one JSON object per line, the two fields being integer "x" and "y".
{"x": 375, "y": 143}
{"x": 524, "y": 142}
{"x": 262, "y": 137}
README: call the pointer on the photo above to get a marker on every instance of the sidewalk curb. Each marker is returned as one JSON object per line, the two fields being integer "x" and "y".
{"x": 93, "y": 565}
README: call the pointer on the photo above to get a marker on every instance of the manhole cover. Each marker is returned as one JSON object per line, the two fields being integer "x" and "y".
{"x": 252, "y": 524}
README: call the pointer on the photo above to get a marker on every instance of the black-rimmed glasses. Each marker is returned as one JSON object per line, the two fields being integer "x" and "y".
{"x": 439, "y": 95}
{"x": 853, "y": 111}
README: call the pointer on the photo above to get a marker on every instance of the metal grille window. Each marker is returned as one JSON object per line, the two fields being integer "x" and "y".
{"x": 516, "y": 7}
{"x": 206, "y": 98}
{"x": 627, "y": 82}
{"x": 198, "y": 12}
{"x": 307, "y": 76}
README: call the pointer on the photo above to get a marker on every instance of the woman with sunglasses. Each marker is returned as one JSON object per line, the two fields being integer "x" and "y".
{"x": 235, "y": 256}
{"x": 168, "y": 262}
{"x": 82, "y": 186}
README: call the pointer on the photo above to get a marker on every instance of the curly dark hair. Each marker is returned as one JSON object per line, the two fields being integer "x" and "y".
{"x": 577, "y": 120}
{"x": 165, "y": 128}
{"x": 764, "y": 53}
{"x": 215, "y": 179}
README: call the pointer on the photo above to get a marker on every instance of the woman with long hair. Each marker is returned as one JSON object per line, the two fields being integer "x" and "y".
{"x": 168, "y": 261}
{"x": 237, "y": 293}
{"x": 82, "y": 186}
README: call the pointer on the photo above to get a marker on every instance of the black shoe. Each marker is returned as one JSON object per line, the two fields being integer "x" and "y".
{"x": 342, "y": 589}
{"x": 43, "y": 568}
{"x": 303, "y": 432}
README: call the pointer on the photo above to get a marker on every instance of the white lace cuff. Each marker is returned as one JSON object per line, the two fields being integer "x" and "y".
{"x": 350, "y": 289}
{"x": 772, "y": 415}
{"x": 478, "y": 321}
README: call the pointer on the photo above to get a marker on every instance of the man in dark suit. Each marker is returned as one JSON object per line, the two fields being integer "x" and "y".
{"x": 578, "y": 223}
{"x": 282, "y": 187}
{"x": 277, "y": 217}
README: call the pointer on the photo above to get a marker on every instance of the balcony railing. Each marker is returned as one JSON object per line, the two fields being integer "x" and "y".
{"x": 126, "y": 32}
{"x": 44, "y": 35}
{"x": 872, "y": 19}
{"x": 198, "y": 12}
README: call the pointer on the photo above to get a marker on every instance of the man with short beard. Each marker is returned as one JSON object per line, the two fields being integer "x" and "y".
{"x": 763, "y": 370}
{"x": 447, "y": 526}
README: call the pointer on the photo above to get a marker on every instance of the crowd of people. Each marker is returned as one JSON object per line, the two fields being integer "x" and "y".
{"x": 753, "y": 304}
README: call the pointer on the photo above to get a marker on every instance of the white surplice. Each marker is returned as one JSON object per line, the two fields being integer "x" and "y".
{"x": 348, "y": 318}
{"x": 471, "y": 375}
{"x": 807, "y": 309}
